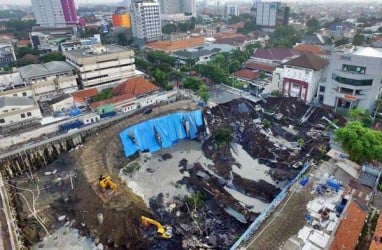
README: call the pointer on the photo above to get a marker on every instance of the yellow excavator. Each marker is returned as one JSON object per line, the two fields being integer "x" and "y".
{"x": 164, "y": 232}
{"x": 105, "y": 182}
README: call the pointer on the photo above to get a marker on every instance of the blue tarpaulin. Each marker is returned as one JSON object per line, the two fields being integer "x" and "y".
{"x": 74, "y": 112}
{"x": 161, "y": 132}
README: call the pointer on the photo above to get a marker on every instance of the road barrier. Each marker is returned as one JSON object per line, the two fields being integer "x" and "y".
{"x": 251, "y": 230}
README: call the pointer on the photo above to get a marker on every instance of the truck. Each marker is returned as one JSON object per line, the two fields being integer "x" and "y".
{"x": 69, "y": 125}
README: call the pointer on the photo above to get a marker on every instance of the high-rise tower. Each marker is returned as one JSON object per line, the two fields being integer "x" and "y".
{"x": 55, "y": 13}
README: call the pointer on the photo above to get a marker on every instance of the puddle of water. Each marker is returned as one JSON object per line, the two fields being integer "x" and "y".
{"x": 166, "y": 173}
{"x": 250, "y": 168}
{"x": 66, "y": 238}
{"x": 258, "y": 205}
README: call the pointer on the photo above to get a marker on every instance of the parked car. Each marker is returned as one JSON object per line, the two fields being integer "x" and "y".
{"x": 147, "y": 111}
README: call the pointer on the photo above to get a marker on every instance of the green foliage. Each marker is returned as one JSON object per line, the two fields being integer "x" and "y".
{"x": 192, "y": 83}
{"x": 223, "y": 136}
{"x": 196, "y": 200}
{"x": 276, "y": 93}
{"x": 360, "y": 115}
{"x": 12, "y": 14}
{"x": 203, "y": 93}
{"x": 55, "y": 56}
{"x": 300, "y": 142}
{"x": 186, "y": 26}
{"x": 142, "y": 64}
{"x": 169, "y": 28}
{"x": 285, "y": 37}
{"x": 22, "y": 51}
{"x": 266, "y": 123}
{"x": 214, "y": 72}
{"x": 358, "y": 39}
{"x": 240, "y": 18}
{"x": 159, "y": 57}
{"x": 361, "y": 143}
{"x": 312, "y": 25}
{"x": 341, "y": 41}
{"x": 249, "y": 27}
{"x": 20, "y": 28}
{"x": 104, "y": 95}
{"x": 160, "y": 77}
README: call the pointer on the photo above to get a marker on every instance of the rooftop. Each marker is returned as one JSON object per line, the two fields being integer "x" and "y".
{"x": 59, "y": 99}
{"x": 275, "y": 54}
{"x": 376, "y": 242}
{"x": 309, "y": 61}
{"x": 16, "y": 101}
{"x": 259, "y": 66}
{"x": 246, "y": 74}
{"x": 50, "y": 68}
{"x": 115, "y": 99}
{"x": 351, "y": 225}
{"x": 135, "y": 86}
{"x": 82, "y": 95}
{"x": 96, "y": 50}
{"x": 368, "y": 51}
{"x": 10, "y": 79}
{"x": 314, "y": 49}
{"x": 171, "y": 46}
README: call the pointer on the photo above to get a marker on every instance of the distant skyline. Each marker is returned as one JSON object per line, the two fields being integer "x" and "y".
{"x": 79, "y": 2}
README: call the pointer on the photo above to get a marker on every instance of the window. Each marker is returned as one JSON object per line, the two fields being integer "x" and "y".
{"x": 24, "y": 93}
{"x": 322, "y": 88}
{"x": 354, "y": 82}
{"x": 22, "y": 115}
{"x": 354, "y": 69}
{"x": 29, "y": 114}
{"x": 2, "y": 121}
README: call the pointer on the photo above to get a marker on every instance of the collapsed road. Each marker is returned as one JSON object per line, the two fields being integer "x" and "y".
{"x": 224, "y": 195}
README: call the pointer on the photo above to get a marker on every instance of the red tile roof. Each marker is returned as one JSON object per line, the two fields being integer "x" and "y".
{"x": 23, "y": 43}
{"x": 309, "y": 61}
{"x": 275, "y": 54}
{"x": 260, "y": 66}
{"x": 82, "y": 95}
{"x": 350, "y": 228}
{"x": 113, "y": 100}
{"x": 135, "y": 86}
{"x": 308, "y": 48}
{"x": 170, "y": 46}
{"x": 246, "y": 74}
{"x": 376, "y": 243}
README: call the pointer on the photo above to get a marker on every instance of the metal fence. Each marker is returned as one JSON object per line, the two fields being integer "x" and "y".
{"x": 271, "y": 207}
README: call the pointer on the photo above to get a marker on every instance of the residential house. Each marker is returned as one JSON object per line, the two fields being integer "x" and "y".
{"x": 7, "y": 54}
{"x": 81, "y": 98}
{"x": 248, "y": 77}
{"x": 274, "y": 56}
{"x": 300, "y": 76}
{"x": 62, "y": 103}
{"x": 49, "y": 79}
{"x": 347, "y": 234}
{"x": 89, "y": 118}
{"x": 15, "y": 110}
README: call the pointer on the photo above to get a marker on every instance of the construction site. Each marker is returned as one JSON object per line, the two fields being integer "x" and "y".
{"x": 130, "y": 186}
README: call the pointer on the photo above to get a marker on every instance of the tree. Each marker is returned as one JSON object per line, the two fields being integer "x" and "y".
{"x": 360, "y": 115}
{"x": 160, "y": 77}
{"x": 169, "y": 28}
{"x": 234, "y": 66}
{"x": 249, "y": 27}
{"x": 55, "y": 56}
{"x": 312, "y": 25}
{"x": 222, "y": 136}
{"x": 122, "y": 39}
{"x": 22, "y": 51}
{"x": 358, "y": 39}
{"x": 192, "y": 83}
{"x": 203, "y": 93}
{"x": 362, "y": 144}
{"x": 285, "y": 36}
{"x": 104, "y": 95}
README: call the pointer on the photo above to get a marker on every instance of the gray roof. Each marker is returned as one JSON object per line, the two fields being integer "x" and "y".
{"x": 39, "y": 70}
{"x": 59, "y": 99}
{"x": 197, "y": 53}
{"x": 16, "y": 101}
{"x": 88, "y": 52}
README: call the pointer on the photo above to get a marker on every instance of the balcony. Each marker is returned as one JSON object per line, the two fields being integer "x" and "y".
{"x": 354, "y": 76}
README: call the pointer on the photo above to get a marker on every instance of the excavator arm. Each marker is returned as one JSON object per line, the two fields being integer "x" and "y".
{"x": 164, "y": 232}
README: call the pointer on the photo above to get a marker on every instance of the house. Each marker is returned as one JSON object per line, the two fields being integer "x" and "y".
{"x": 173, "y": 46}
{"x": 89, "y": 118}
{"x": 81, "y": 98}
{"x": 310, "y": 48}
{"x": 274, "y": 56}
{"x": 260, "y": 67}
{"x": 350, "y": 227}
{"x": 61, "y": 103}
{"x": 18, "y": 109}
{"x": 376, "y": 241}
{"x": 300, "y": 76}
{"x": 248, "y": 77}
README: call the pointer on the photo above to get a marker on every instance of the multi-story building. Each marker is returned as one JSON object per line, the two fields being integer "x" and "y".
{"x": 7, "y": 54}
{"x": 18, "y": 109}
{"x": 270, "y": 14}
{"x": 55, "y": 13}
{"x": 121, "y": 18}
{"x": 102, "y": 64}
{"x": 177, "y": 6}
{"x": 354, "y": 78}
{"x": 81, "y": 44}
{"x": 231, "y": 10}
{"x": 50, "y": 79}
{"x": 300, "y": 77}
{"x": 146, "y": 22}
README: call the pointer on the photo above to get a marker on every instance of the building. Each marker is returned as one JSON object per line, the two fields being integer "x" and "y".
{"x": 270, "y": 14}
{"x": 350, "y": 228}
{"x": 300, "y": 77}
{"x": 50, "y": 79}
{"x": 43, "y": 42}
{"x": 82, "y": 98}
{"x": 274, "y": 56}
{"x": 354, "y": 78}
{"x": 102, "y": 64}
{"x": 7, "y": 54}
{"x": 81, "y": 44}
{"x": 231, "y": 10}
{"x": 168, "y": 7}
{"x": 146, "y": 22}
{"x": 18, "y": 109}
{"x": 121, "y": 19}
{"x": 172, "y": 46}
{"x": 55, "y": 13}
{"x": 61, "y": 103}
{"x": 376, "y": 242}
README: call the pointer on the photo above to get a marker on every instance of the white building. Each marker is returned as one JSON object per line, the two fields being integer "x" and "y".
{"x": 54, "y": 13}
{"x": 270, "y": 14}
{"x": 231, "y": 10}
{"x": 49, "y": 79}
{"x": 18, "y": 109}
{"x": 177, "y": 6}
{"x": 300, "y": 77}
{"x": 61, "y": 103}
{"x": 354, "y": 78}
{"x": 146, "y": 23}
{"x": 102, "y": 65}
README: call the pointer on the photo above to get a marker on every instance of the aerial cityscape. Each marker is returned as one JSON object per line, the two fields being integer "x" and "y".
{"x": 191, "y": 124}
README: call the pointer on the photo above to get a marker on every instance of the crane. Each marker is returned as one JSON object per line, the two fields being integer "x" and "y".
{"x": 164, "y": 232}
{"x": 105, "y": 181}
